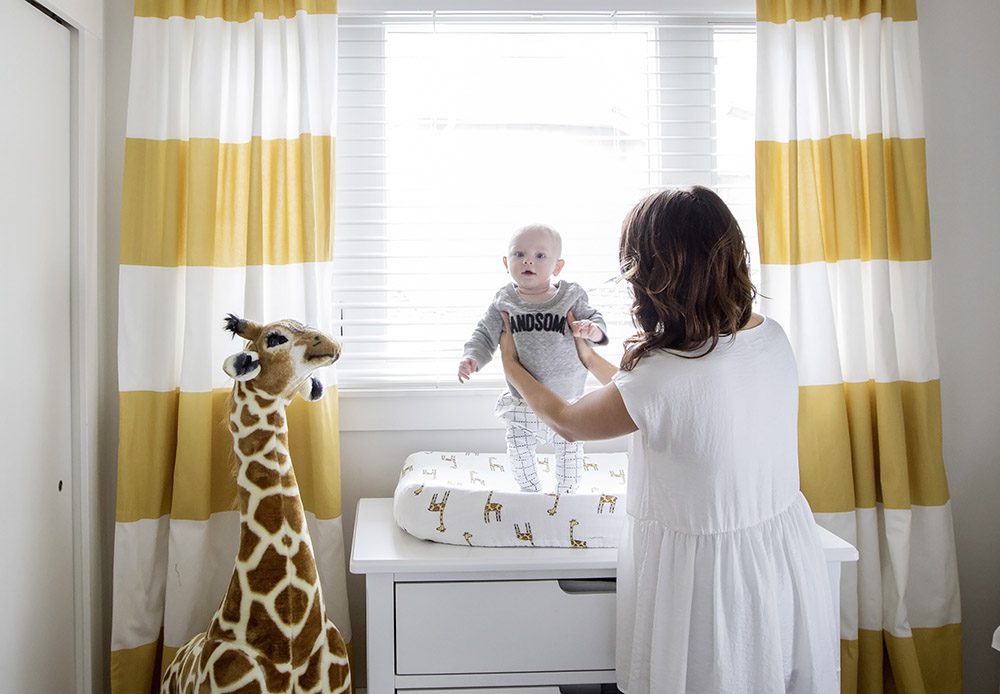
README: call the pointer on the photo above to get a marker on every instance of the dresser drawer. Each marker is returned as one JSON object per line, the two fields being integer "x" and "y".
{"x": 505, "y": 626}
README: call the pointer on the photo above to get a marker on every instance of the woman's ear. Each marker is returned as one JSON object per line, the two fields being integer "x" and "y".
{"x": 311, "y": 390}
{"x": 242, "y": 366}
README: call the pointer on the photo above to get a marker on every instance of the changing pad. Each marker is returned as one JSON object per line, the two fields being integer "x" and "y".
{"x": 472, "y": 499}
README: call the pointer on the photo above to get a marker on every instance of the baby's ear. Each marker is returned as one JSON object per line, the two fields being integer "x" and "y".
{"x": 559, "y": 266}
{"x": 242, "y": 366}
{"x": 311, "y": 390}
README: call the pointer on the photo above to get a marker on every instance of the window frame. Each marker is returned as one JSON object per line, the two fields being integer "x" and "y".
{"x": 424, "y": 407}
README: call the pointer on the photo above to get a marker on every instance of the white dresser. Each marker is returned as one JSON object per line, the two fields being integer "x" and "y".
{"x": 488, "y": 620}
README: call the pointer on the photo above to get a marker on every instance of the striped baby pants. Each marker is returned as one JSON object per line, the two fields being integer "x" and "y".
{"x": 524, "y": 431}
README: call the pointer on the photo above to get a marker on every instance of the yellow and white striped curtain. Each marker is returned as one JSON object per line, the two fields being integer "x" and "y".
{"x": 227, "y": 207}
{"x": 846, "y": 269}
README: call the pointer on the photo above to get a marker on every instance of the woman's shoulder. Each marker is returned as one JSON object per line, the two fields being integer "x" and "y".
{"x": 654, "y": 361}
{"x": 767, "y": 332}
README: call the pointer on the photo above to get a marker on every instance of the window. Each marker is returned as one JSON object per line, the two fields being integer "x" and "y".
{"x": 455, "y": 130}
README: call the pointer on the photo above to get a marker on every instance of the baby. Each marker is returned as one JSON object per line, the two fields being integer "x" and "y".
{"x": 537, "y": 308}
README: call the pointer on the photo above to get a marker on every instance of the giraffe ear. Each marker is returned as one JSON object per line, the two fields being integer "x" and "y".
{"x": 242, "y": 366}
{"x": 243, "y": 327}
{"x": 311, "y": 390}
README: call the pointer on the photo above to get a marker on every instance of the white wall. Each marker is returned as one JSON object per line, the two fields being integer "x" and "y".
{"x": 962, "y": 97}
{"x": 117, "y": 59}
{"x": 960, "y": 52}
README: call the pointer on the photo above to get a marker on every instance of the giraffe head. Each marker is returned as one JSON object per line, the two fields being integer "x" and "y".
{"x": 279, "y": 357}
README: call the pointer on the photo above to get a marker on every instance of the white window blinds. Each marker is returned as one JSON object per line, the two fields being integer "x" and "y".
{"x": 455, "y": 130}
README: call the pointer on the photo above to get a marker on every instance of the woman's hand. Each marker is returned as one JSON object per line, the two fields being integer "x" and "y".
{"x": 508, "y": 350}
{"x": 600, "y": 414}
{"x": 584, "y": 347}
{"x": 601, "y": 368}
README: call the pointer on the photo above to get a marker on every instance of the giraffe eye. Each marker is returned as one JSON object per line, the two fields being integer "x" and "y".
{"x": 275, "y": 339}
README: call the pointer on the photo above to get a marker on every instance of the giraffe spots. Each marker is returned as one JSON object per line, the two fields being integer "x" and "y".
{"x": 338, "y": 674}
{"x": 231, "y": 604}
{"x": 269, "y": 572}
{"x": 270, "y": 512}
{"x": 291, "y": 604}
{"x": 276, "y": 509}
{"x": 288, "y": 480}
{"x": 251, "y": 687}
{"x": 310, "y": 678}
{"x": 276, "y": 420}
{"x": 310, "y": 632}
{"x": 265, "y": 635}
{"x": 334, "y": 641}
{"x": 276, "y": 456}
{"x": 193, "y": 660}
{"x": 232, "y": 426}
{"x": 283, "y": 437}
{"x": 305, "y": 565}
{"x": 263, "y": 403}
{"x": 248, "y": 543}
{"x": 217, "y": 632}
{"x": 230, "y": 667}
{"x": 261, "y": 476}
{"x": 294, "y": 517}
{"x": 276, "y": 681}
{"x": 254, "y": 442}
{"x": 248, "y": 418}
{"x": 187, "y": 669}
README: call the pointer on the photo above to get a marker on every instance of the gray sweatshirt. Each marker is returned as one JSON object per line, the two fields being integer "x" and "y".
{"x": 543, "y": 337}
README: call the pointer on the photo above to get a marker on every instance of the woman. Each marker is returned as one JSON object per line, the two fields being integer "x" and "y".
{"x": 722, "y": 584}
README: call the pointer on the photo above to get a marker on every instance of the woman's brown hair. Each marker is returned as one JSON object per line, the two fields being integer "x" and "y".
{"x": 683, "y": 253}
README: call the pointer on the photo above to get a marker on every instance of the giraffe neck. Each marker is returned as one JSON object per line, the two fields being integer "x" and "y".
{"x": 273, "y": 600}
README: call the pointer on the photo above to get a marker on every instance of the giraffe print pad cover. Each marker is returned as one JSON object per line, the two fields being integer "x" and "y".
{"x": 472, "y": 499}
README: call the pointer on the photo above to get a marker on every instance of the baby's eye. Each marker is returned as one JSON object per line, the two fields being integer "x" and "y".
{"x": 540, "y": 256}
{"x": 275, "y": 339}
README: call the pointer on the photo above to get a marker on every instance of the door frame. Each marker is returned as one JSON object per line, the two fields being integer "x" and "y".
{"x": 84, "y": 19}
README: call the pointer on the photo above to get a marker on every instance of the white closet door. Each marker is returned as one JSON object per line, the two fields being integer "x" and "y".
{"x": 36, "y": 548}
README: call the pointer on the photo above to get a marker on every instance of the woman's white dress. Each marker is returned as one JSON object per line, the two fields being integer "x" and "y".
{"x": 722, "y": 583}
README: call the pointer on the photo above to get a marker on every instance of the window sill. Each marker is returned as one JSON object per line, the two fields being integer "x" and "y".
{"x": 422, "y": 408}
{"x": 418, "y": 409}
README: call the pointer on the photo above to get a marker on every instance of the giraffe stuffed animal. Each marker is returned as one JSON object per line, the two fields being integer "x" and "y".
{"x": 271, "y": 633}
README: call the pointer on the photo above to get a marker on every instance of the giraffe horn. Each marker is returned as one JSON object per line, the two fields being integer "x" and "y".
{"x": 243, "y": 327}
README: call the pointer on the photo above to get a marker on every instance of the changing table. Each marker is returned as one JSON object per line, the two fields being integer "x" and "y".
{"x": 451, "y": 619}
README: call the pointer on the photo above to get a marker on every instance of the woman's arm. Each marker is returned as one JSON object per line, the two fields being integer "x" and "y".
{"x": 602, "y": 369}
{"x": 597, "y": 415}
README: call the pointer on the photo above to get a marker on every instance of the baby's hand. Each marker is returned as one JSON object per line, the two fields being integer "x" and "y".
{"x": 587, "y": 329}
{"x": 466, "y": 368}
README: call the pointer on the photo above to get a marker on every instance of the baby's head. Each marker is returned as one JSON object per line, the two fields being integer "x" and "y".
{"x": 533, "y": 256}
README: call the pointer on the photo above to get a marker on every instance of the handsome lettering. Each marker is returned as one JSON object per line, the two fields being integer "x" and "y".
{"x": 529, "y": 322}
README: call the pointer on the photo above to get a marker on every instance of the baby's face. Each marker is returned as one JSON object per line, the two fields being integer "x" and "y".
{"x": 533, "y": 259}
